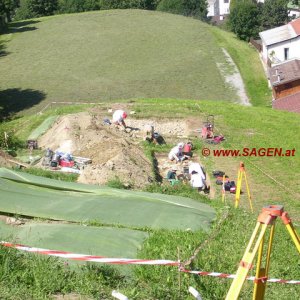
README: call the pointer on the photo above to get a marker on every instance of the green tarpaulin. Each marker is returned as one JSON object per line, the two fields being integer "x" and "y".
{"x": 30, "y": 195}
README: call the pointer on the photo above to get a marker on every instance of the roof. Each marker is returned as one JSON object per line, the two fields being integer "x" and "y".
{"x": 281, "y": 33}
{"x": 290, "y": 103}
{"x": 296, "y": 25}
{"x": 285, "y": 72}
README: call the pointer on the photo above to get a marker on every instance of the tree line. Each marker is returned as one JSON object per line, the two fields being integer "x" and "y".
{"x": 249, "y": 17}
{"x": 27, "y": 9}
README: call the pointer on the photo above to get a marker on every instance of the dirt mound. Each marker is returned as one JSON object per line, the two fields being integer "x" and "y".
{"x": 114, "y": 152}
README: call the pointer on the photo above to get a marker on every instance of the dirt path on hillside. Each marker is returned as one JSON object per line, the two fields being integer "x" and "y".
{"x": 233, "y": 78}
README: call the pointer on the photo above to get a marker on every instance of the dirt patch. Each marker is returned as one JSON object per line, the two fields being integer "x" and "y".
{"x": 71, "y": 296}
{"x": 114, "y": 152}
{"x": 4, "y": 160}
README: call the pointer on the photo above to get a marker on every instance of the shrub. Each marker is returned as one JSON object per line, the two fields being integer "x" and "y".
{"x": 192, "y": 8}
{"x": 117, "y": 183}
{"x": 8, "y": 140}
{"x": 73, "y": 6}
{"x": 35, "y": 8}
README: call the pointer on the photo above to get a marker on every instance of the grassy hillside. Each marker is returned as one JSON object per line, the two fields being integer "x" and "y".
{"x": 252, "y": 73}
{"x": 221, "y": 249}
{"x": 100, "y": 56}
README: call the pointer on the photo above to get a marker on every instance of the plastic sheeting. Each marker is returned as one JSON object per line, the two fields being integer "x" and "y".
{"x": 34, "y": 196}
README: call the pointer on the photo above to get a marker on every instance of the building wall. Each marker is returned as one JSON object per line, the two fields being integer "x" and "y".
{"x": 277, "y": 54}
{"x": 218, "y": 8}
{"x": 294, "y": 13}
{"x": 211, "y": 8}
{"x": 224, "y": 7}
{"x": 287, "y": 89}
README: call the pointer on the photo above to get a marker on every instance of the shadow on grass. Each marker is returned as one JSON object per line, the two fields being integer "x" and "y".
{"x": 2, "y": 50}
{"x": 21, "y": 26}
{"x": 13, "y": 101}
{"x": 21, "y": 29}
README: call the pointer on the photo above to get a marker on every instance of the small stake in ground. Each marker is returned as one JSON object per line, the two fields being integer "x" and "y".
{"x": 241, "y": 174}
{"x": 195, "y": 293}
{"x": 118, "y": 295}
{"x": 223, "y": 190}
{"x": 266, "y": 219}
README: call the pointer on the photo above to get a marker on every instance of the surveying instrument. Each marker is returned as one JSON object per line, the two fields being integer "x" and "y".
{"x": 241, "y": 175}
{"x": 266, "y": 220}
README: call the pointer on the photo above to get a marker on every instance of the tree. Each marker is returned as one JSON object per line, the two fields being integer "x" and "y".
{"x": 274, "y": 13}
{"x": 7, "y": 8}
{"x": 195, "y": 8}
{"x": 244, "y": 19}
{"x": 73, "y": 6}
{"x": 39, "y": 8}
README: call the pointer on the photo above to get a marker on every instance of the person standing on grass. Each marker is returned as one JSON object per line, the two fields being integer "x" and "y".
{"x": 118, "y": 117}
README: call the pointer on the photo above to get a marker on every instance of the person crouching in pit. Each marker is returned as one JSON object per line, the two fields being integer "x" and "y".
{"x": 176, "y": 153}
{"x": 118, "y": 118}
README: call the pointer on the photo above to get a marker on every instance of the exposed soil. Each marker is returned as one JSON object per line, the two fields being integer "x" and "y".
{"x": 5, "y": 160}
{"x": 115, "y": 152}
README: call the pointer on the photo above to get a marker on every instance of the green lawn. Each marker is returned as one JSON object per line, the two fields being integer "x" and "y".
{"x": 108, "y": 55}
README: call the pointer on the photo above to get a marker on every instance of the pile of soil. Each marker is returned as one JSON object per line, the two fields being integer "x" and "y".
{"x": 4, "y": 160}
{"x": 114, "y": 152}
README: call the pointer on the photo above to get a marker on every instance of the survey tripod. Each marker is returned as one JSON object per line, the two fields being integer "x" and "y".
{"x": 266, "y": 219}
{"x": 241, "y": 175}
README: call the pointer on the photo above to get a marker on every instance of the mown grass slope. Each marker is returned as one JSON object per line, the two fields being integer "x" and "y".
{"x": 221, "y": 249}
{"x": 100, "y": 56}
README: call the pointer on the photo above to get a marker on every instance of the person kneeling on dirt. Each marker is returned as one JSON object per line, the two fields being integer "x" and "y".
{"x": 172, "y": 176}
{"x": 118, "y": 117}
{"x": 187, "y": 150}
{"x": 198, "y": 177}
{"x": 197, "y": 181}
{"x": 176, "y": 153}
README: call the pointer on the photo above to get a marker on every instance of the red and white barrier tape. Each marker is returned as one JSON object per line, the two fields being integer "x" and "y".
{"x": 84, "y": 257}
{"x": 123, "y": 261}
{"x": 231, "y": 276}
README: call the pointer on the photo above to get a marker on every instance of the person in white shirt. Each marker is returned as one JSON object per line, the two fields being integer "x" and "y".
{"x": 197, "y": 181}
{"x": 198, "y": 177}
{"x": 176, "y": 152}
{"x": 118, "y": 117}
{"x": 197, "y": 168}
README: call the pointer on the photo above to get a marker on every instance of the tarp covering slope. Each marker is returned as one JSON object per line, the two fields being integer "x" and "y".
{"x": 30, "y": 195}
{"x": 103, "y": 241}
{"x": 40, "y": 130}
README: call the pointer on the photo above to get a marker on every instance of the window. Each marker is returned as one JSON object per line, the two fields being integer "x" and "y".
{"x": 226, "y": 1}
{"x": 286, "y": 53}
